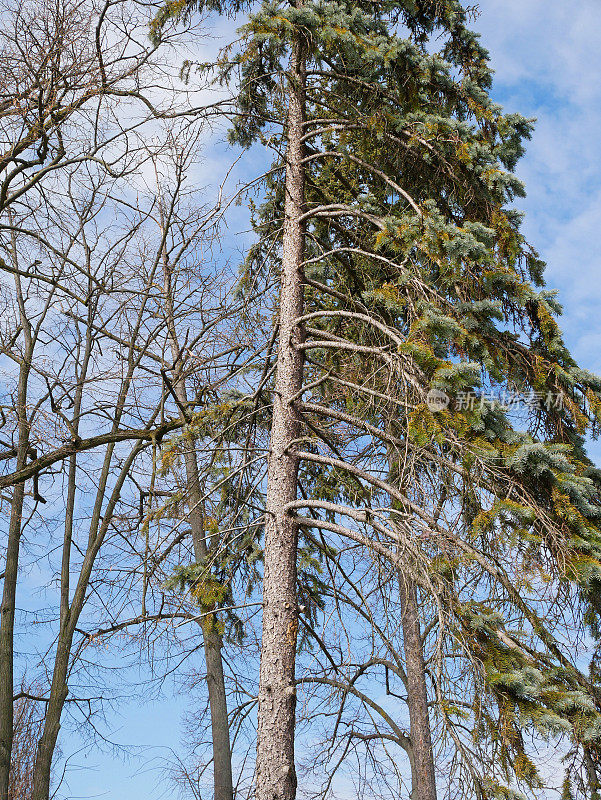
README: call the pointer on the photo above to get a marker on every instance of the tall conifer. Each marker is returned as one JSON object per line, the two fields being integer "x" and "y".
{"x": 405, "y": 282}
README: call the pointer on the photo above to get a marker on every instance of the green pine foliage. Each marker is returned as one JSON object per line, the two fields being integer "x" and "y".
{"x": 419, "y": 278}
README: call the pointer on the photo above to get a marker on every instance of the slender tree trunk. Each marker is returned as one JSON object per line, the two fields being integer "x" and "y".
{"x": 423, "y": 775}
{"x": 11, "y": 567}
{"x": 222, "y": 758}
{"x": 223, "y": 788}
{"x": 223, "y": 785}
{"x": 59, "y": 687}
{"x": 6, "y": 636}
{"x": 275, "y": 774}
{"x": 422, "y": 767}
{"x": 52, "y": 722}
{"x": 69, "y": 613}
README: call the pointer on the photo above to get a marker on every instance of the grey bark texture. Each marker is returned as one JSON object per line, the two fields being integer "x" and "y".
{"x": 275, "y": 771}
{"x": 422, "y": 766}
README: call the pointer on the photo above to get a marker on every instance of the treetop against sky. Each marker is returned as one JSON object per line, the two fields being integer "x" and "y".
{"x": 348, "y": 218}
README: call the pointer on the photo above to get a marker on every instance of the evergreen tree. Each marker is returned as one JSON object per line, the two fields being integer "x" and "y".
{"x": 404, "y": 278}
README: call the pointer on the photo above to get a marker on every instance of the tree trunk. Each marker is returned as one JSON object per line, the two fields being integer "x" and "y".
{"x": 223, "y": 787}
{"x": 222, "y": 758}
{"x": 423, "y": 775}
{"x": 275, "y": 773}
{"x": 52, "y": 722}
{"x": 59, "y": 688}
{"x": 70, "y": 613}
{"x": 422, "y": 768}
{"x": 6, "y": 636}
{"x": 99, "y": 525}
{"x": 11, "y": 567}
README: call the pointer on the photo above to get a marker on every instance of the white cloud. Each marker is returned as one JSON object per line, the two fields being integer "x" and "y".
{"x": 545, "y": 55}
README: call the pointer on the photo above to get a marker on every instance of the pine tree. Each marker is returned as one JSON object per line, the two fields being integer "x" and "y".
{"x": 404, "y": 278}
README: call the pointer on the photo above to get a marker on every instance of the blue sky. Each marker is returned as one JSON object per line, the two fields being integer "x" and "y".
{"x": 546, "y": 57}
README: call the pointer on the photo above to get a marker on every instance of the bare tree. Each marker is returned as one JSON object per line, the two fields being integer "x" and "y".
{"x": 28, "y": 720}
{"x": 82, "y": 87}
{"x": 195, "y": 494}
{"x": 98, "y": 399}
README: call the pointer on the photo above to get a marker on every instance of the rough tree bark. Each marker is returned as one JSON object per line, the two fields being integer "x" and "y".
{"x": 422, "y": 766}
{"x": 275, "y": 773}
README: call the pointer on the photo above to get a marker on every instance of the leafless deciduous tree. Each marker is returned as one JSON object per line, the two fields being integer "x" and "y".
{"x": 84, "y": 98}
{"x": 27, "y": 729}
